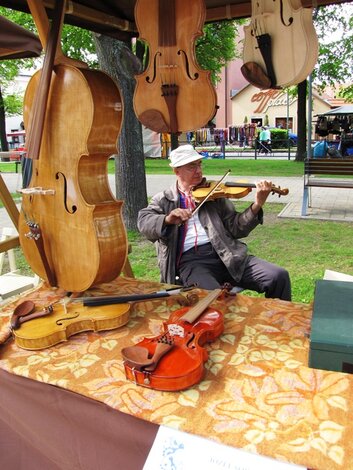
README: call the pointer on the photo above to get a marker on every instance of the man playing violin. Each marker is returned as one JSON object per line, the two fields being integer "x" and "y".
{"x": 205, "y": 248}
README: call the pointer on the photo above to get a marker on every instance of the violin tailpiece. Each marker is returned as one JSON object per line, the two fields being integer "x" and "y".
{"x": 170, "y": 93}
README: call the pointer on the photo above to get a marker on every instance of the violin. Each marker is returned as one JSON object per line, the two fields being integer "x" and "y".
{"x": 211, "y": 190}
{"x": 70, "y": 227}
{"x": 280, "y": 44}
{"x": 38, "y": 329}
{"x": 174, "y": 359}
{"x": 236, "y": 190}
{"x": 173, "y": 94}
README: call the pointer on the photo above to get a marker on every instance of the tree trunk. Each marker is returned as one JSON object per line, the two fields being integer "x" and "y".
{"x": 301, "y": 117}
{"x": 3, "y": 137}
{"x": 116, "y": 58}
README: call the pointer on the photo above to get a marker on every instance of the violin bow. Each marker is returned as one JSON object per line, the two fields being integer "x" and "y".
{"x": 209, "y": 194}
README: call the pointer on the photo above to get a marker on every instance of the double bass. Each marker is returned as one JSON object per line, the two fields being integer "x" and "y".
{"x": 280, "y": 44}
{"x": 71, "y": 229}
{"x": 173, "y": 94}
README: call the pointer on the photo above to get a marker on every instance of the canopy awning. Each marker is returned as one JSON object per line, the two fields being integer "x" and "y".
{"x": 116, "y": 17}
{"x": 16, "y": 42}
{"x": 342, "y": 110}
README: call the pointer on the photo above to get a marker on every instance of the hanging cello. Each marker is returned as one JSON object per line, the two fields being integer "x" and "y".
{"x": 280, "y": 45}
{"x": 71, "y": 230}
{"x": 173, "y": 94}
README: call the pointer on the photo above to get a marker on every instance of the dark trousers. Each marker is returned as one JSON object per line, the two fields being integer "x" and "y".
{"x": 203, "y": 267}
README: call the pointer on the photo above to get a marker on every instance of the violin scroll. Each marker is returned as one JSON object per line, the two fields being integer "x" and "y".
{"x": 278, "y": 190}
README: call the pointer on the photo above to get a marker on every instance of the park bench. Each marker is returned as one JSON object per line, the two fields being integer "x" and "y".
{"x": 17, "y": 163}
{"x": 320, "y": 173}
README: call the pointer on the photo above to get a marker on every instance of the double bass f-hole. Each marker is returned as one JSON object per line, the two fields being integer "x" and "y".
{"x": 73, "y": 208}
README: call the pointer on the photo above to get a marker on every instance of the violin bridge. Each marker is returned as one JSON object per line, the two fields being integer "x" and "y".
{"x": 176, "y": 330}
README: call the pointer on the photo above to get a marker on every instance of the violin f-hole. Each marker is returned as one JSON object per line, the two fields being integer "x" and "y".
{"x": 73, "y": 207}
{"x": 148, "y": 78}
{"x": 290, "y": 20}
{"x": 60, "y": 321}
{"x": 187, "y": 67}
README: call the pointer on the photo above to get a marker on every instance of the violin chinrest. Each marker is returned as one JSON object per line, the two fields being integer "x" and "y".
{"x": 22, "y": 309}
{"x": 140, "y": 357}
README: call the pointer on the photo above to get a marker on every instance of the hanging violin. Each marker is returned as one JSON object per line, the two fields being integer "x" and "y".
{"x": 280, "y": 44}
{"x": 173, "y": 94}
{"x": 174, "y": 360}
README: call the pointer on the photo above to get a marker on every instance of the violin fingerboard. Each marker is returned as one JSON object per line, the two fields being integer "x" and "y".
{"x": 193, "y": 313}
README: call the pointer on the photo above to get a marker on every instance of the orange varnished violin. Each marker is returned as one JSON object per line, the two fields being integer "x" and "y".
{"x": 173, "y": 94}
{"x": 175, "y": 359}
{"x": 42, "y": 328}
{"x": 35, "y": 327}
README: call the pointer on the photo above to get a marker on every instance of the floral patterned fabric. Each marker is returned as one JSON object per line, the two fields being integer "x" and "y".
{"x": 257, "y": 393}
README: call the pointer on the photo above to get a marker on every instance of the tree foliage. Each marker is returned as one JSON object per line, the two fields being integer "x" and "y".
{"x": 334, "y": 27}
{"x": 217, "y": 46}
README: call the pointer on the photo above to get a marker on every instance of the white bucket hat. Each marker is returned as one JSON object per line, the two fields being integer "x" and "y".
{"x": 183, "y": 155}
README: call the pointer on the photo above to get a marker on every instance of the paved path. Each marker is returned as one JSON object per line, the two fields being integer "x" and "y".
{"x": 328, "y": 204}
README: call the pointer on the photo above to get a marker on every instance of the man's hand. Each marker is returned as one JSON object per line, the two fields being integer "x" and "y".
{"x": 178, "y": 216}
{"x": 263, "y": 189}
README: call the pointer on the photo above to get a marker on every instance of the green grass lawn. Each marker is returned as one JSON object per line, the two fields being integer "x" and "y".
{"x": 241, "y": 167}
{"x": 237, "y": 166}
{"x": 305, "y": 247}
{"x": 159, "y": 166}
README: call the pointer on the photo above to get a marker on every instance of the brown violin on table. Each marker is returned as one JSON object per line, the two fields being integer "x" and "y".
{"x": 173, "y": 94}
{"x": 175, "y": 359}
{"x": 42, "y": 328}
{"x": 35, "y": 327}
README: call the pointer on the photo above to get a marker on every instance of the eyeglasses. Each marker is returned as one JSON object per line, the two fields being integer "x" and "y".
{"x": 192, "y": 167}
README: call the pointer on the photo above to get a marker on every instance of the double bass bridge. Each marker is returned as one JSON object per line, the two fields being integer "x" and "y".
{"x": 38, "y": 190}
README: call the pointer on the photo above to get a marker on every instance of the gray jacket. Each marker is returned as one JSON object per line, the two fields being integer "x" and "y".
{"x": 222, "y": 223}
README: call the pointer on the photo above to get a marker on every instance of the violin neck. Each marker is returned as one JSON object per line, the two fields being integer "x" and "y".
{"x": 193, "y": 313}
{"x": 166, "y": 23}
{"x": 240, "y": 185}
